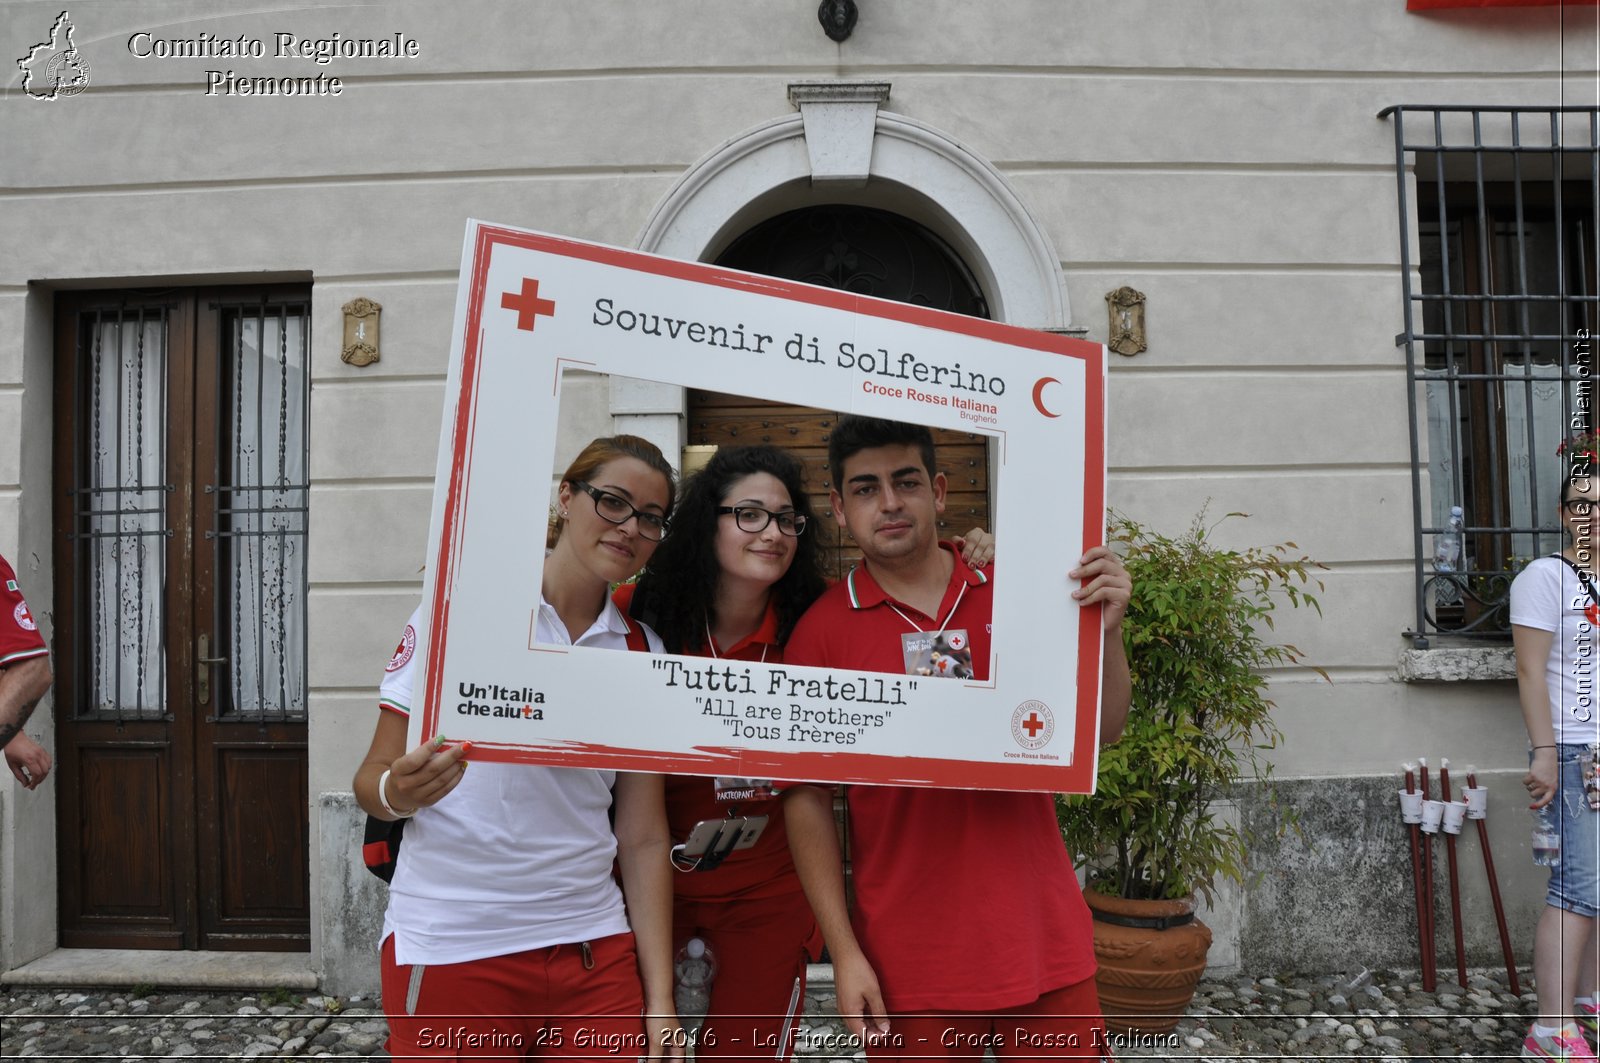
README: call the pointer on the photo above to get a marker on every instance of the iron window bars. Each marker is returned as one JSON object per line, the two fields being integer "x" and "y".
{"x": 1500, "y": 306}
{"x": 258, "y": 491}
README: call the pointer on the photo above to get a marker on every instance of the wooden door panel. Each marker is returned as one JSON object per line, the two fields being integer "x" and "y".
{"x": 264, "y": 887}
{"x": 119, "y": 574}
{"x": 123, "y": 869}
{"x": 253, "y": 832}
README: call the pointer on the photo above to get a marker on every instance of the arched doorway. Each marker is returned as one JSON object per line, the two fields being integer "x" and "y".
{"x": 916, "y": 171}
{"x": 732, "y": 205}
{"x": 870, "y": 252}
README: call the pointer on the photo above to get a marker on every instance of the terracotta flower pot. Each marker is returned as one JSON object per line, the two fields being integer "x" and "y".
{"x": 1151, "y": 956}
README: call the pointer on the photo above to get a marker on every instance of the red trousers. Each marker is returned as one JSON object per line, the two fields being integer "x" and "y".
{"x": 569, "y": 1002}
{"x": 1062, "y": 1024}
{"x": 761, "y": 948}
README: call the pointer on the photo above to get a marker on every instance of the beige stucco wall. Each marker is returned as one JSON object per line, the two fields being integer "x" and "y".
{"x": 1226, "y": 160}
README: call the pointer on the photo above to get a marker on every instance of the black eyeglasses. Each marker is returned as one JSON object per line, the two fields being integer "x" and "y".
{"x": 619, "y": 510}
{"x": 753, "y": 519}
{"x": 1579, "y": 507}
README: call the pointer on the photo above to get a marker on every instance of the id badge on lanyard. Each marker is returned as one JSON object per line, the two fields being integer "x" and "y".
{"x": 943, "y": 654}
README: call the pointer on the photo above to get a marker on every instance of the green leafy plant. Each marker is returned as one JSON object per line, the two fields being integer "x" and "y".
{"x": 278, "y": 996}
{"x": 1200, "y": 720}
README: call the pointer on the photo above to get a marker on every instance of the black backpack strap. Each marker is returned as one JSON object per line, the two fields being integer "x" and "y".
{"x": 380, "y": 846}
{"x": 1583, "y": 577}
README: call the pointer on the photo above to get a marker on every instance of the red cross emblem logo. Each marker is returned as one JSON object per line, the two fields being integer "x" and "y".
{"x": 402, "y": 652}
{"x": 1033, "y": 724}
{"x": 527, "y": 304}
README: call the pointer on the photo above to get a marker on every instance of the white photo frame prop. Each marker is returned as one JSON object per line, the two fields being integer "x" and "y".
{"x": 532, "y": 306}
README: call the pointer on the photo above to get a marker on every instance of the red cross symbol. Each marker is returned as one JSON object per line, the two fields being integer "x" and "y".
{"x": 527, "y": 304}
{"x": 1033, "y": 725}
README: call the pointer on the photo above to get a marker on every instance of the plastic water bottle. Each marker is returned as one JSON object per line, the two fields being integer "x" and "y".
{"x": 693, "y": 971}
{"x": 1546, "y": 836}
{"x": 1447, "y": 547}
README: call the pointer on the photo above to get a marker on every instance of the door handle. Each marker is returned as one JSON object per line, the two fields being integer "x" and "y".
{"x": 202, "y": 669}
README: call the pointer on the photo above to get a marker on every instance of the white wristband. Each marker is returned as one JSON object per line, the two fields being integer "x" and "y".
{"x": 383, "y": 799}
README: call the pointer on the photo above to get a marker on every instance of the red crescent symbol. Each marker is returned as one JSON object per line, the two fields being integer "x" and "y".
{"x": 1038, "y": 393}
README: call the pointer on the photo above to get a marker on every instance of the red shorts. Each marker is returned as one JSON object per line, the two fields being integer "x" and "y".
{"x": 1062, "y": 1024}
{"x": 761, "y": 948}
{"x": 573, "y": 1002}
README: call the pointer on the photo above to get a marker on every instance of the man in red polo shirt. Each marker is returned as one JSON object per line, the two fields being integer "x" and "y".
{"x": 24, "y": 678}
{"x": 970, "y": 932}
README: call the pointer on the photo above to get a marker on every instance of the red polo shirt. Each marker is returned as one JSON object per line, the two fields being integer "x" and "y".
{"x": 765, "y": 869}
{"x": 966, "y": 900}
{"x": 19, "y": 634}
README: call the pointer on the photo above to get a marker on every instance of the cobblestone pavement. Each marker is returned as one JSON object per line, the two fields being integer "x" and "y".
{"x": 1385, "y": 1016}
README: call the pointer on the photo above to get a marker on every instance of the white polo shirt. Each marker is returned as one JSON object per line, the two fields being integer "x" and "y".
{"x": 1548, "y": 596}
{"x": 517, "y": 856}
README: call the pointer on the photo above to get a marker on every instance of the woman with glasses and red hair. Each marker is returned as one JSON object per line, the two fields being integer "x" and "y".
{"x": 507, "y": 933}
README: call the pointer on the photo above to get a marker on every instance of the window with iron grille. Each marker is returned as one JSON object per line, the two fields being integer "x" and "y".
{"x": 1500, "y": 308}
{"x": 188, "y": 477}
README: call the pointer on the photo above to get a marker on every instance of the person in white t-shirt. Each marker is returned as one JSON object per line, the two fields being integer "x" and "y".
{"x": 1554, "y": 615}
{"x": 506, "y": 933}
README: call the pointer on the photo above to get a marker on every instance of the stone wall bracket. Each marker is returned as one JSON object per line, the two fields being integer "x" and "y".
{"x": 361, "y": 317}
{"x": 1125, "y": 309}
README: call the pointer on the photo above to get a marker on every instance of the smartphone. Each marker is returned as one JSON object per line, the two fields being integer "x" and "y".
{"x": 748, "y": 829}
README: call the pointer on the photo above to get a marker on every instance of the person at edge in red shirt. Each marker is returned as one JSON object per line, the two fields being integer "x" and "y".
{"x": 506, "y": 934}
{"x": 970, "y": 932}
{"x": 742, "y": 562}
{"x": 24, "y": 679}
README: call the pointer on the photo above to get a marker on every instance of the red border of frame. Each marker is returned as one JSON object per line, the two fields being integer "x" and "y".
{"x": 849, "y": 767}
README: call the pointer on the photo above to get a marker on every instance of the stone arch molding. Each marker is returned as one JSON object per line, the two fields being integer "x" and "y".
{"x": 914, "y": 170}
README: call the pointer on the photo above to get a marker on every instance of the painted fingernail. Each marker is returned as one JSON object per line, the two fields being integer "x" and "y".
{"x": 439, "y": 741}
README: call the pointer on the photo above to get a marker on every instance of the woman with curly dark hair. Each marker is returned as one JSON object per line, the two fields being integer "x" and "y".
{"x": 742, "y": 563}
{"x": 743, "y": 541}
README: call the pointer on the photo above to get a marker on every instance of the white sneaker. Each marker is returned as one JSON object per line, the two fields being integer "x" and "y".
{"x": 1567, "y": 1045}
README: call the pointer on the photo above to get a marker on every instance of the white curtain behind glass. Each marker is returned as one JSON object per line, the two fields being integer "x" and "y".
{"x": 1443, "y": 428}
{"x": 127, "y": 544}
{"x": 1532, "y": 457}
{"x": 265, "y": 585}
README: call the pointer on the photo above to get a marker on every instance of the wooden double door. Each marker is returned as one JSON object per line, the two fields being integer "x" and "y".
{"x": 180, "y": 503}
